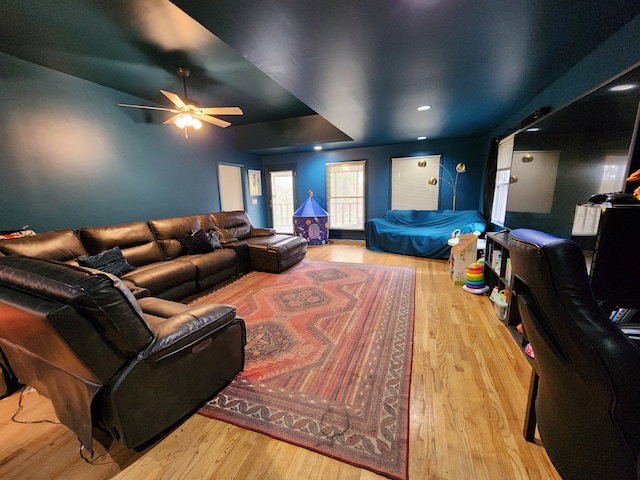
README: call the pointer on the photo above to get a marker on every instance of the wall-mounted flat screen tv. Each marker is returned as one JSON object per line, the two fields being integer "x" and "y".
{"x": 579, "y": 150}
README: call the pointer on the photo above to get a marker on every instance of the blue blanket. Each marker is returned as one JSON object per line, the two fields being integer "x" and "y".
{"x": 421, "y": 233}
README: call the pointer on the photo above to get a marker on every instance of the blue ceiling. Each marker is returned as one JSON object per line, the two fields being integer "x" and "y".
{"x": 362, "y": 66}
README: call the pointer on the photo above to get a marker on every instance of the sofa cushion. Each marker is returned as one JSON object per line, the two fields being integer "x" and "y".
{"x": 195, "y": 243}
{"x": 111, "y": 261}
{"x": 135, "y": 239}
{"x": 206, "y": 222}
{"x": 232, "y": 226}
{"x": 167, "y": 230}
{"x": 61, "y": 245}
{"x": 169, "y": 279}
{"x": 213, "y": 267}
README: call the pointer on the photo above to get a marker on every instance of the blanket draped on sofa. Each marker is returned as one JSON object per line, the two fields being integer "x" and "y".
{"x": 421, "y": 233}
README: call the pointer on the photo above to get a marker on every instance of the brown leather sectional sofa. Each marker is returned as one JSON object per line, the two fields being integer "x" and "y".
{"x": 118, "y": 352}
{"x": 162, "y": 268}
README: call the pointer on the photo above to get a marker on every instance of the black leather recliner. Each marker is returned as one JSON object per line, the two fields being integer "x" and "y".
{"x": 131, "y": 367}
{"x": 585, "y": 390}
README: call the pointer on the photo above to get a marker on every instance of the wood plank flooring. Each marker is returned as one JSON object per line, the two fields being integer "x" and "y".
{"x": 468, "y": 397}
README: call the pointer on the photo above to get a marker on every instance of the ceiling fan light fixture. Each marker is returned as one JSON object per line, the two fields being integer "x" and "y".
{"x": 188, "y": 111}
{"x": 188, "y": 120}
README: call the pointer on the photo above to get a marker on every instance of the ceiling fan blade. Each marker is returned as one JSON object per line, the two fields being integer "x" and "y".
{"x": 213, "y": 120}
{"x": 221, "y": 111}
{"x": 172, "y": 119}
{"x": 175, "y": 99}
{"x": 173, "y": 110}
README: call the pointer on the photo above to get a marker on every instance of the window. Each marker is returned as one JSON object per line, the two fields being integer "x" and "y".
{"x": 500, "y": 193}
{"x": 345, "y": 195}
{"x": 503, "y": 177}
{"x": 615, "y": 164}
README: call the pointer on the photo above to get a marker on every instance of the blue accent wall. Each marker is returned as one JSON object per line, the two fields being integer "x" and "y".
{"x": 71, "y": 157}
{"x": 311, "y": 175}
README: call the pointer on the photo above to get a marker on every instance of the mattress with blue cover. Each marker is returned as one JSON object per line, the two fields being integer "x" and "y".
{"x": 421, "y": 233}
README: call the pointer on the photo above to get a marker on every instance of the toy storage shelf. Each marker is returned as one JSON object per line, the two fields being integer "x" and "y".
{"x": 497, "y": 271}
{"x": 500, "y": 276}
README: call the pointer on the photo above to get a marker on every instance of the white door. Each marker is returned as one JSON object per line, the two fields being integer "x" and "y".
{"x": 230, "y": 185}
{"x": 281, "y": 182}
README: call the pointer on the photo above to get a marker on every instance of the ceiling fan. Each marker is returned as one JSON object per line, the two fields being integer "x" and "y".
{"x": 188, "y": 111}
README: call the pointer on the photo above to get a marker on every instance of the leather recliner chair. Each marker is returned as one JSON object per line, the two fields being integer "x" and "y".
{"x": 131, "y": 367}
{"x": 585, "y": 386}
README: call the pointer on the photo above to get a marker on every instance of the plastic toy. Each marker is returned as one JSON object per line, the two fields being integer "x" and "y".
{"x": 455, "y": 238}
{"x": 474, "y": 279}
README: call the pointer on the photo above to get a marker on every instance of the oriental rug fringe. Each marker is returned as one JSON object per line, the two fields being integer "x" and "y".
{"x": 328, "y": 360}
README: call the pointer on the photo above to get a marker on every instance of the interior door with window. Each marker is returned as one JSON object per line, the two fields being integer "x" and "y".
{"x": 281, "y": 204}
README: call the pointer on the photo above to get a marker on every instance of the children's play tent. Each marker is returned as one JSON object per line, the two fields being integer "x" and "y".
{"x": 311, "y": 221}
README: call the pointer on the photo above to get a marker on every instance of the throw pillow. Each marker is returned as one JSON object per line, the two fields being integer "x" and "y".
{"x": 197, "y": 242}
{"x": 213, "y": 239}
{"x": 110, "y": 261}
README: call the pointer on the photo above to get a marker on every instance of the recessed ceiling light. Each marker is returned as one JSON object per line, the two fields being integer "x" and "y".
{"x": 422, "y": 138}
{"x": 422, "y": 108}
{"x": 623, "y": 88}
{"x": 317, "y": 148}
{"x": 533, "y": 129}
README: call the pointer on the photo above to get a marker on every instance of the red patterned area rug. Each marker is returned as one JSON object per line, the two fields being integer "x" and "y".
{"x": 328, "y": 360}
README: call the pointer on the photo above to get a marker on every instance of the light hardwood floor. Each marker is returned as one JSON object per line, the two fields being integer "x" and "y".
{"x": 468, "y": 397}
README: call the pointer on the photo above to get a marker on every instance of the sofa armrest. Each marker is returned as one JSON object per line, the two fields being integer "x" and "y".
{"x": 262, "y": 232}
{"x": 188, "y": 331}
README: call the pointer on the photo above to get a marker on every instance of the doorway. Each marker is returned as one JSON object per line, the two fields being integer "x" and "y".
{"x": 281, "y": 204}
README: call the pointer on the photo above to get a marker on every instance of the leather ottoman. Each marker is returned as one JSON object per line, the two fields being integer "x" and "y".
{"x": 276, "y": 253}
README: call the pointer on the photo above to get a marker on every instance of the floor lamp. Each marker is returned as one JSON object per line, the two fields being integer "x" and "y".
{"x": 452, "y": 182}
